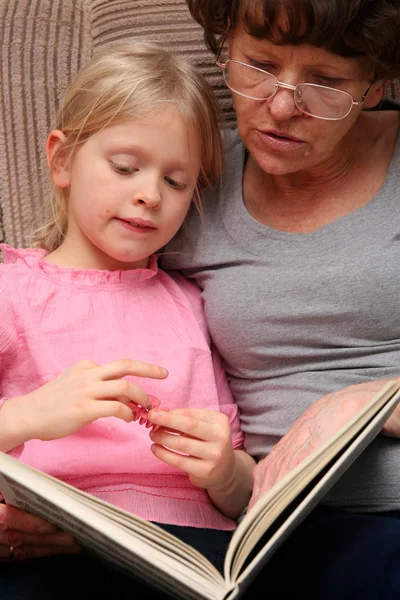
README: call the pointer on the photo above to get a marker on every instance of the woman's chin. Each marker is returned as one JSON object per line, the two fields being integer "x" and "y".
{"x": 277, "y": 166}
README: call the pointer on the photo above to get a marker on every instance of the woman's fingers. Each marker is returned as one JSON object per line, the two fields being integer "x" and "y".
{"x": 31, "y": 536}
{"x": 25, "y": 552}
{"x": 15, "y": 519}
{"x": 28, "y": 552}
{"x": 18, "y": 538}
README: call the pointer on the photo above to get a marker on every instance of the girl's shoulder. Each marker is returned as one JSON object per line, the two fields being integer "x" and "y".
{"x": 21, "y": 256}
{"x": 188, "y": 294}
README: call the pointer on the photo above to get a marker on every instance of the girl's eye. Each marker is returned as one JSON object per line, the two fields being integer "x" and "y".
{"x": 123, "y": 169}
{"x": 175, "y": 184}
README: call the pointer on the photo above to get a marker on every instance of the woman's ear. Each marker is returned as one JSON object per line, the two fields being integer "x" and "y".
{"x": 376, "y": 93}
{"x": 56, "y": 159}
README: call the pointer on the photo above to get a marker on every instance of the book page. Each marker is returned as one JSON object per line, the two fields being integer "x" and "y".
{"x": 171, "y": 565}
{"x": 267, "y": 510}
{"x": 155, "y": 537}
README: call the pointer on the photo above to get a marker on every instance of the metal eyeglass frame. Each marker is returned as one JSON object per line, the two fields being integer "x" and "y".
{"x": 287, "y": 86}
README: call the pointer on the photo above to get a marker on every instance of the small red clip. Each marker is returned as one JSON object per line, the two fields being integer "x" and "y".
{"x": 140, "y": 412}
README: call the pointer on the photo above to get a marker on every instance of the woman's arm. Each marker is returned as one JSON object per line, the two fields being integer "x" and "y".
{"x": 316, "y": 425}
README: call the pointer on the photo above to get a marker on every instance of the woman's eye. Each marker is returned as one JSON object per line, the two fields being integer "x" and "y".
{"x": 123, "y": 169}
{"x": 326, "y": 80}
{"x": 175, "y": 184}
{"x": 263, "y": 66}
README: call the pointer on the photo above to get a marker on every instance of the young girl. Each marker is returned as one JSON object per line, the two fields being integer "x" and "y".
{"x": 136, "y": 139}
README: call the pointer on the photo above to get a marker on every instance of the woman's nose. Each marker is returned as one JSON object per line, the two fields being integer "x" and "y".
{"x": 282, "y": 105}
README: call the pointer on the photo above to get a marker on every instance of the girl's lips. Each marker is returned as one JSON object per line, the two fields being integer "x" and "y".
{"x": 139, "y": 225}
{"x": 280, "y": 142}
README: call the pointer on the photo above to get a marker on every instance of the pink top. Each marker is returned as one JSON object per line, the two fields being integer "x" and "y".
{"x": 52, "y": 317}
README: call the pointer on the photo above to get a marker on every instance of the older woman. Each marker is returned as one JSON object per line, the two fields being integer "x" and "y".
{"x": 300, "y": 265}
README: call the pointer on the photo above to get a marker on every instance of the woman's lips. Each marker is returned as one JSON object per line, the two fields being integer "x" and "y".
{"x": 279, "y": 141}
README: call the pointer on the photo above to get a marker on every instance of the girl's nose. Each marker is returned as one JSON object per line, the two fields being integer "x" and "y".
{"x": 147, "y": 193}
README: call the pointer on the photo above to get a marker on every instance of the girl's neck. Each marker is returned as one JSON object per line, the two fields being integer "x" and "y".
{"x": 68, "y": 257}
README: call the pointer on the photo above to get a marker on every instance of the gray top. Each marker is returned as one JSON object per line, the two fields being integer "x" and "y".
{"x": 296, "y": 316}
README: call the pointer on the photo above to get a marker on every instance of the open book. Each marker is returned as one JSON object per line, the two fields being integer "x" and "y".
{"x": 151, "y": 554}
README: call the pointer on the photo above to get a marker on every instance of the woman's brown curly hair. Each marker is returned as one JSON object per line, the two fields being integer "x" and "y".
{"x": 349, "y": 28}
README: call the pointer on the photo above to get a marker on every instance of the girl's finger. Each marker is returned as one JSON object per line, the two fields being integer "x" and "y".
{"x": 109, "y": 408}
{"x": 126, "y": 366}
{"x": 190, "y": 426}
{"x": 201, "y": 414}
{"x": 184, "y": 463}
{"x": 122, "y": 390}
{"x": 182, "y": 444}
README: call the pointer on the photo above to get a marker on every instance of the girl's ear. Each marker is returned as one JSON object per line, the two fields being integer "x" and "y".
{"x": 56, "y": 159}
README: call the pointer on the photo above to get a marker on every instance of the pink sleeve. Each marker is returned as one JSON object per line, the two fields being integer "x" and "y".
{"x": 226, "y": 401}
{"x": 8, "y": 334}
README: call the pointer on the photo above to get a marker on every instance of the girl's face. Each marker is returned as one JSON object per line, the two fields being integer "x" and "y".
{"x": 280, "y": 138}
{"x": 129, "y": 189}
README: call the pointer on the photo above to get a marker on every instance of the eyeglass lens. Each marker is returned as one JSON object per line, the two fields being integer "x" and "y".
{"x": 315, "y": 100}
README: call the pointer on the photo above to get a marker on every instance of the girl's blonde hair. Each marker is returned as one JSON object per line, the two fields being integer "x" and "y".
{"x": 126, "y": 82}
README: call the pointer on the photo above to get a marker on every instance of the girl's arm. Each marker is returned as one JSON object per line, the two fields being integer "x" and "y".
{"x": 74, "y": 399}
{"x": 232, "y": 499}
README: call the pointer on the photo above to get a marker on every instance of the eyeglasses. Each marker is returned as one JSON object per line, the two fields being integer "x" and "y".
{"x": 318, "y": 101}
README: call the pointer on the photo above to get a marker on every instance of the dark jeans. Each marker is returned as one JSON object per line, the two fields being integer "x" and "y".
{"x": 335, "y": 555}
{"x": 83, "y": 576}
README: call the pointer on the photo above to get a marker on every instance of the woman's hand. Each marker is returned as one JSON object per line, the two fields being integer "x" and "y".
{"x": 316, "y": 425}
{"x": 199, "y": 442}
{"x": 77, "y": 397}
{"x": 30, "y": 536}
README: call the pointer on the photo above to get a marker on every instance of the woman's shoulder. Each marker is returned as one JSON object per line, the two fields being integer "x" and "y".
{"x": 232, "y": 141}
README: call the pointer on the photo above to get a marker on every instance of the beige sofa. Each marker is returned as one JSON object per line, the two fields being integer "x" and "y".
{"x": 42, "y": 45}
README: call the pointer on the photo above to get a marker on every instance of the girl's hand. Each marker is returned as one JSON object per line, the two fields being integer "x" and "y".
{"x": 82, "y": 394}
{"x": 199, "y": 442}
{"x": 31, "y": 536}
{"x": 203, "y": 436}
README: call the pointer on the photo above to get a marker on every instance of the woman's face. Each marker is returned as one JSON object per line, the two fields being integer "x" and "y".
{"x": 280, "y": 138}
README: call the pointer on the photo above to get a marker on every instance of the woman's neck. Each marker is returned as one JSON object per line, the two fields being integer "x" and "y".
{"x": 304, "y": 201}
